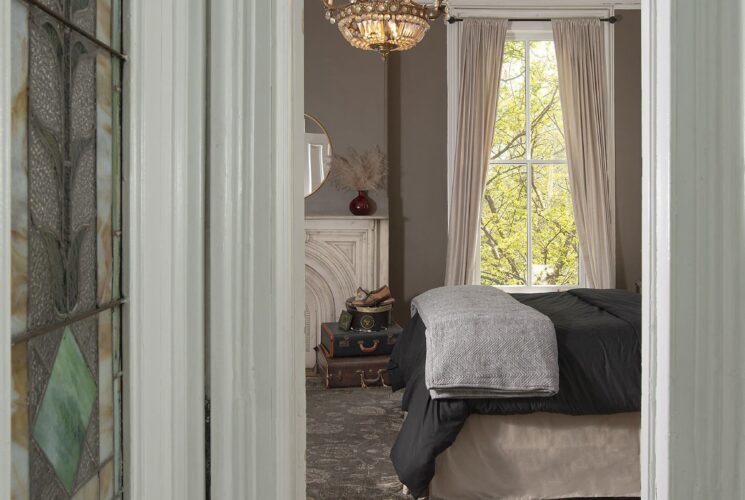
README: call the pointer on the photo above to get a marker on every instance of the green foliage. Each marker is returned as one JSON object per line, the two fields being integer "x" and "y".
{"x": 504, "y": 219}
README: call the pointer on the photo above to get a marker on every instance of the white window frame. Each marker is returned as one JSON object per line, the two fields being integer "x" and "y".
{"x": 526, "y": 30}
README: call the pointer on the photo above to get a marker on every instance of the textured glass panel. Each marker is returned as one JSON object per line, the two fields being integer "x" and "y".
{"x": 103, "y": 21}
{"x": 509, "y": 135}
{"x": 63, "y": 409}
{"x": 82, "y": 13}
{"x": 58, "y": 6}
{"x": 106, "y": 481}
{"x": 19, "y": 423}
{"x": 555, "y": 242}
{"x": 63, "y": 419}
{"x": 547, "y": 129}
{"x": 504, "y": 246}
{"x": 19, "y": 166}
{"x": 104, "y": 181}
{"x": 89, "y": 491}
{"x": 118, "y": 455}
{"x": 46, "y": 168}
{"x": 62, "y": 172}
{"x": 106, "y": 386}
{"x": 66, "y": 224}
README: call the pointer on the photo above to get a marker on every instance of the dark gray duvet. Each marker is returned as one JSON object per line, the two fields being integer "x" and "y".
{"x": 598, "y": 333}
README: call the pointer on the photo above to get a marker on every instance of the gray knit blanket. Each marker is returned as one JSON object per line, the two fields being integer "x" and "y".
{"x": 482, "y": 343}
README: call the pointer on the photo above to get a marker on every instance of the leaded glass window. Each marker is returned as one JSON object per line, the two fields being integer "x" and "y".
{"x": 66, "y": 249}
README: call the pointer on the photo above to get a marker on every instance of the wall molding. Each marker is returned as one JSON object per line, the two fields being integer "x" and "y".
{"x": 256, "y": 270}
{"x": 164, "y": 263}
{"x": 5, "y": 364}
{"x": 341, "y": 253}
{"x": 696, "y": 292}
{"x": 656, "y": 250}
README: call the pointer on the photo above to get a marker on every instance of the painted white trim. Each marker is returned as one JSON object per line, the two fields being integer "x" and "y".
{"x": 289, "y": 256}
{"x": 256, "y": 270}
{"x": 164, "y": 120}
{"x": 656, "y": 177}
{"x": 5, "y": 207}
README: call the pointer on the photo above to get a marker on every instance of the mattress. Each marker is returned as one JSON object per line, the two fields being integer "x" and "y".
{"x": 541, "y": 455}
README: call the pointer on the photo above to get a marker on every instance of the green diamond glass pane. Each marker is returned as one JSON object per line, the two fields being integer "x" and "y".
{"x": 65, "y": 411}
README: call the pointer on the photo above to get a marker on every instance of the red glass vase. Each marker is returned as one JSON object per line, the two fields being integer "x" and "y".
{"x": 360, "y": 205}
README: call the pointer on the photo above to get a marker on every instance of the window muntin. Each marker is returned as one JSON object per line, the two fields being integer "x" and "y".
{"x": 528, "y": 234}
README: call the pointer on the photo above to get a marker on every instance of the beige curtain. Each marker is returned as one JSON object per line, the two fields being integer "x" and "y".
{"x": 580, "y": 55}
{"x": 481, "y": 48}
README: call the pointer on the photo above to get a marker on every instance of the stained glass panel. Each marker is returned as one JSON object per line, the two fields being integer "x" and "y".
{"x": 66, "y": 237}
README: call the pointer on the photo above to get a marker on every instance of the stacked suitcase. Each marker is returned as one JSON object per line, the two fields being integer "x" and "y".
{"x": 355, "y": 358}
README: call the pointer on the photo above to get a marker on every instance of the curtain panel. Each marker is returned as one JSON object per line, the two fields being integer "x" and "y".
{"x": 580, "y": 56}
{"x": 481, "y": 50}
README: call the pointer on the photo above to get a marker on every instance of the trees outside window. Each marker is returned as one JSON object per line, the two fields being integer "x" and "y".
{"x": 528, "y": 233}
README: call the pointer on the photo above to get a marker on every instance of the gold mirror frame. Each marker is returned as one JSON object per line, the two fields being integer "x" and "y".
{"x": 331, "y": 149}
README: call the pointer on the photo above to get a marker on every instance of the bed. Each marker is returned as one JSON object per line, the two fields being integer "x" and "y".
{"x": 598, "y": 334}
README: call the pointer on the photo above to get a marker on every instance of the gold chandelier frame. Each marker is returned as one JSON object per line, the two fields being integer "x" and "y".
{"x": 383, "y": 25}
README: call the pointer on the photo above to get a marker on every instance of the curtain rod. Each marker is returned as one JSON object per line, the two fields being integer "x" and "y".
{"x": 611, "y": 20}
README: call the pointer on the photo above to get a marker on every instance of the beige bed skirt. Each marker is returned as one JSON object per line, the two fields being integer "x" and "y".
{"x": 541, "y": 455}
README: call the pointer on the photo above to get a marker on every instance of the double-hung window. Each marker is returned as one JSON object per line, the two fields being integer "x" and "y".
{"x": 528, "y": 233}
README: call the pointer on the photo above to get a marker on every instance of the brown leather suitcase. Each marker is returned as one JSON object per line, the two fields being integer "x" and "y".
{"x": 342, "y": 344}
{"x": 367, "y": 371}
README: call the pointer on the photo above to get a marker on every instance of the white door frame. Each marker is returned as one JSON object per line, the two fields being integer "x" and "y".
{"x": 164, "y": 260}
{"x": 256, "y": 260}
{"x": 656, "y": 176}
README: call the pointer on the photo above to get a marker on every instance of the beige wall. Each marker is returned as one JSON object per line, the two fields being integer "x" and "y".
{"x": 628, "y": 110}
{"x": 417, "y": 141}
{"x": 345, "y": 90}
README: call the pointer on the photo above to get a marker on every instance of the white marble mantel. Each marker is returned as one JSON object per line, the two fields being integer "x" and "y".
{"x": 341, "y": 253}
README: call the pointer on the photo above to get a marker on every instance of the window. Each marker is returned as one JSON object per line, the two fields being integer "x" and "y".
{"x": 528, "y": 234}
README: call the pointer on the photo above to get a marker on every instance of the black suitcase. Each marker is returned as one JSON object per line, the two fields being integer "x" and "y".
{"x": 341, "y": 344}
{"x": 364, "y": 372}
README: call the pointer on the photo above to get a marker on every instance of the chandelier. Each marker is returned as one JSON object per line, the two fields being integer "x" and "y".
{"x": 383, "y": 25}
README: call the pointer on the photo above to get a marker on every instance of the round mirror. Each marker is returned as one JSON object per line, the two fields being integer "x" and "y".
{"x": 318, "y": 154}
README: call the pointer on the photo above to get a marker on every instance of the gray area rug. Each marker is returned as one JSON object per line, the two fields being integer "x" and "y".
{"x": 349, "y": 437}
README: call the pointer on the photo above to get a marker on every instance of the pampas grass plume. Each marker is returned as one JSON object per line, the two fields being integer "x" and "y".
{"x": 359, "y": 171}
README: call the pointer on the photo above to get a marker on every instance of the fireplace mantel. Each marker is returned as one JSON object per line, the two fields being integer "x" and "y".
{"x": 341, "y": 253}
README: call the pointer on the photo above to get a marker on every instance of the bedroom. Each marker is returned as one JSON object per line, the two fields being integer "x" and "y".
{"x": 406, "y": 105}
{"x": 155, "y": 335}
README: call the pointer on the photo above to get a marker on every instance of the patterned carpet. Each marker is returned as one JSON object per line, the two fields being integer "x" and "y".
{"x": 350, "y": 434}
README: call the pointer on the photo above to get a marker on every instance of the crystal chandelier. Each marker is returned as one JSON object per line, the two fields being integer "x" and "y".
{"x": 383, "y": 25}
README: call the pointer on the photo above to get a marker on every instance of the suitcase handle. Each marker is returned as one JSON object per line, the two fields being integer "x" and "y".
{"x": 372, "y": 348}
{"x": 364, "y": 381}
